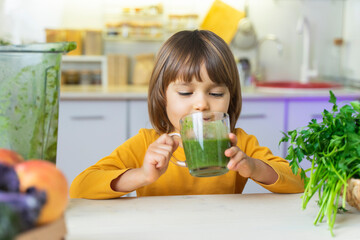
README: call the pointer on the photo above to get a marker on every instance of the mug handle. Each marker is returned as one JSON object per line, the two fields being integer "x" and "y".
{"x": 177, "y": 162}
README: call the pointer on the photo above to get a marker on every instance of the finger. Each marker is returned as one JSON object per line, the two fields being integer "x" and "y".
{"x": 231, "y": 152}
{"x": 166, "y": 153}
{"x": 162, "y": 161}
{"x": 235, "y": 160}
{"x": 175, "y": 141}
{"x": 161, "y": 139}
{"x": 166, "y": 139}
{"x": 243, "y": 167}
{"x": 164, "y": 147}
{"x": 235, "y": 165}
{"x": 156, "y": 159}
{"x": 233, "y": 139}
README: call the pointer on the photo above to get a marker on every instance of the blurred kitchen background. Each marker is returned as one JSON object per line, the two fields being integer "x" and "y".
{"x": 103, "y": 99}
{"x": 129, "y": 33}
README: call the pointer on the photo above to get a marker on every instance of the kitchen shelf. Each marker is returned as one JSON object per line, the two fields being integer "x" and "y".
{"x": 133, "y": 39}
{"x": 82, "y": 61}
{"x": 84, "y": 58}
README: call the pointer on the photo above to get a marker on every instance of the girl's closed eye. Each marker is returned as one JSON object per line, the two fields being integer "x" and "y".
{"x": 184, "y": 93}
{"x": 216, "y": 94}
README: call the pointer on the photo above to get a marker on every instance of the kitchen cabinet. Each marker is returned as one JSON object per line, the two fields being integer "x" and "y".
{"x": 92, "y": 129}
{"x": 138, "y": 116}
{"x": 88, "y": 131}
{"x": 264, "y": 120}
{"x": 302, "y": 111}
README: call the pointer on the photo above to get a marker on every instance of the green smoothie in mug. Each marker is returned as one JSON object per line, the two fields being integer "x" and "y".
{"x": 208, "y": 159}
{"x": 205, "y": 138}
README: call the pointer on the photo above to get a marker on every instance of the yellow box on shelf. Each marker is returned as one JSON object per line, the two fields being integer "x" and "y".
{"x": 223, "y": 20}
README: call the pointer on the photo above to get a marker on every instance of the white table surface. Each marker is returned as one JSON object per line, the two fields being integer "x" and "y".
{"x": 234, "y": 216}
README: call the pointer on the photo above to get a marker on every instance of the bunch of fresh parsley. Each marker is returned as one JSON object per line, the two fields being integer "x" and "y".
{"x": 333, "y": 147}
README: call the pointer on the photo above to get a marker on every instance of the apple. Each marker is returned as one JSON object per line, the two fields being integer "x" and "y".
{"x": 43, "y": 175}
{"x": 10, "y": 157}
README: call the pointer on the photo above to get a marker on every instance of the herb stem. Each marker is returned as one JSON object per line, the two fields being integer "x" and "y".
{"x": 337, "y": 173}
{"x": 320, "y": 213}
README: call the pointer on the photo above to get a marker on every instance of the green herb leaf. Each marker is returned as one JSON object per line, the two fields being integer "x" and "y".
{"x": 333, "y": 147}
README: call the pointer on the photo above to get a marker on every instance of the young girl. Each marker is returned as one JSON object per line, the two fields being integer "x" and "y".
{"x": 194, "y": 71}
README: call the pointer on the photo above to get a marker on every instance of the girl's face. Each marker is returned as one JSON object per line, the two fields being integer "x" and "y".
{"x": 185, "y": 98}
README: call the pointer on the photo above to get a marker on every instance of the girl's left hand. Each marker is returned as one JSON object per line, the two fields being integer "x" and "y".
{"x": 239, "y": 161}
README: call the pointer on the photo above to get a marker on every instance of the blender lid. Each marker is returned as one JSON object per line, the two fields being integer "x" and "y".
{"x": 57, "y": 47}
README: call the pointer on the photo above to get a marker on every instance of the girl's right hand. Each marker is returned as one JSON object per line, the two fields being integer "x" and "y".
{"x": 157, "y": 157}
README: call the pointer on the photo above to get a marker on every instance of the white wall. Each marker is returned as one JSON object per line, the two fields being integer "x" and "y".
{"x": 23, "y": 21}
{"x": 351, "y": 53}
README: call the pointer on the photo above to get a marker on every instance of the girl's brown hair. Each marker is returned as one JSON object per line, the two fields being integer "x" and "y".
{"x": 181, "y": 57}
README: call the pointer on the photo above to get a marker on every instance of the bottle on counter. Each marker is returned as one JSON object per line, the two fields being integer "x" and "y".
{"x": 244, "y": 68}
{"x": 96, "y": 77}
{"x": 85, "y": 77}
{"x": 71, "y": 77}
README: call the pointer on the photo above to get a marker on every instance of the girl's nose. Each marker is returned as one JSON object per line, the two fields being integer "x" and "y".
{"x": 201, "y": 104}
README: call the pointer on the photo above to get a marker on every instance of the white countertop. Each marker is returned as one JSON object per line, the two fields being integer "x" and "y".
{"x": 129, "y": 92}
{"x": 233, "y": 216}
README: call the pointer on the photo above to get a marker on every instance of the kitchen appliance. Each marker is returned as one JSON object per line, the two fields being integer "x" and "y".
{"x": 245, "y": 37}
{"x": 29, "y": 98}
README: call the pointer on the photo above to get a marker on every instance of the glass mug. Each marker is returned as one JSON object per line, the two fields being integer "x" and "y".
{"x": 205, "y": 137}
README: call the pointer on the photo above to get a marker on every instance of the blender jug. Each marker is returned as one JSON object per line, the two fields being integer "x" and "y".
{"x": 29, "y": 98}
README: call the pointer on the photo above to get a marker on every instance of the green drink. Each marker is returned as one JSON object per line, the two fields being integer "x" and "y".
{"x": 29, "y": 98}
{"x": 206, "y": 158}
{"x": 205, "y": 137}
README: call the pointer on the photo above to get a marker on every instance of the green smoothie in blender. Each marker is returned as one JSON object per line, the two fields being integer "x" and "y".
{"x": 29, "y": 98}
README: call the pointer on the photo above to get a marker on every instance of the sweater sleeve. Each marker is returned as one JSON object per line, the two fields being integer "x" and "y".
{"x": 94, "y": 182}
{"x": 287, "y": 182}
